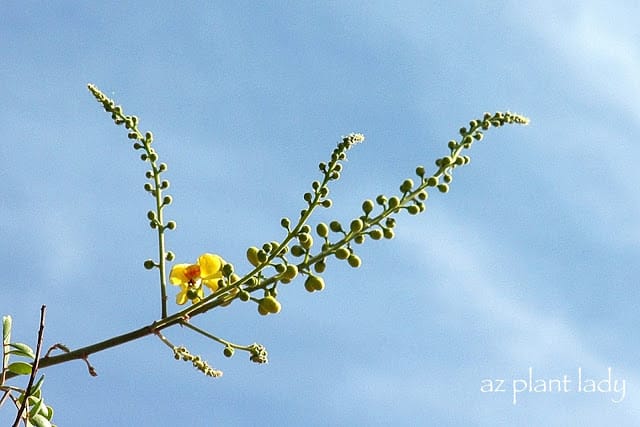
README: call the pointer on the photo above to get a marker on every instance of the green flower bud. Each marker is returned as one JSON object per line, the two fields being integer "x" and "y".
{"x": 354, "y": 261}
{"x": 163, "y": 167}
{"x": 356, "y": 225}
{"x": 171, "y": 225}
{"x": 326, "y": 203}
{"x": 447, "y": 178}
{"x": 322, "y": 230}
{"x": 381, "y": 200}
{"x": 228, "y": 351}
{"x": 252, "y": 256}
{"x": 423, "y": 195}
{"x": 406, "y": 185}
{"x": 244, "y": 296}
{"x": 467, "y": 140}
{"x": 305, "y": 228}
{"x": 164, "y": 184}
{"x": 308, "y": 197}
{"x": 335, "y": 226}
{"x": 148, "y": 137}
{"x": 306, "y": 240}
{"x": 291, "y": 272}
{"x": 443, "y": 188}
{"x": 388, "y": 233}
{"x": 478, "y": 136}
{"x": 376, "y": 234}
{"x": 149, "y": 264}
{"x": 192, "y": 294}
{"x": 320, "y": 266}
{"x": 459, "y": 161}
{"x": 342, "y": 253}
{"x": 413, "y": 210}
{"x": 285, "y": 223}
{"x": 322, "y": 166}
{"x": 420, "y": 171}
{"x": 359, "y": 239}
{"x": 432, "y": 181}
{"x": 267, "y": 247}
{"x": 148, "y": 174}
{"x": 151, "y": 215}
{"x": 314, "y": 283}
{"x": 390, "y": 222}
{"x": 170, "y": 256}
{"x": 262, "y": 256}
{"x": 148, "y": 187}
{"x": 394, "y": 202}
{"x": 270, "y": 304}
{"x": 367, "y": 207}
{"x": 280, "y": 268}
{"x": 166, "y": 200}
{"x": 227, "y": 269}
{"x": 452, "y": 144}
{"x": 297, "y": 250}
{"x": 262, "y": 310}
{"x": 132, "y": 135}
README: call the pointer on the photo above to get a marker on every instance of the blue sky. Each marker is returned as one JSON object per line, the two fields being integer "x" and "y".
{"x": 529, "y": 261}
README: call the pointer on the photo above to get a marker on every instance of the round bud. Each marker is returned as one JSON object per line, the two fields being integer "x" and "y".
{"x": 227, "y": 269}
{"x": 335, "y": 226}
{"x": 171, "y": 225}
{"x": 381, "y": 200}
{"x": 151, "y": 215}
{"x": 280, "y": 268}
{"x": 137, "y": 146}
{"x": 263, "y": 311}
{"x": 262, "y": 256}
{"x": 432, "y": 181}
{"x": 452, "y": 144}
{"x": 406, "y": 185}
{"x": 467, "y": 140}
{"x": 320, "y": 266}
{"x": 326, "y": 203}
{"x": 322, "y": 166}
{"x": 132, "y": 135}
{"x": 342, "y": 253}
{"x": 354, "y": 261}
{"x": 228, "y": 351}
{"x": 322, "y": 230}
{"x": 463, "y": 131}
{"x": 443, "y": 188}
{"x": 394, "y": 202}
{"x": 359, "y": 239}
{"x": 420, "y": 171}
{"x": 423, "y": 195}
{"x": 148, "y": 137}
{"x": 459, "y": 161}
{"x": 306, "y": 240}
{"x": 164, "y": 184}
{"x": 148, "y": 174}
{"x": 447, "y": 178}
{"x": 376, "y": 234}
{"x": 291, "y": 272}
{"x": 390, "y": 222}
{"x": 478, "y": 136}
{"x": 388, "y": 233}
{"x": 148, "y": 187}
{"x": 252, "y": 256}
{"x": 153, "y": 157}
{"x": 149, "y": 264}
{"x": 413, "y": 210}
{"x": 162, "y": 167}
{"x": 244, "y": 296}
{"x": 356, "y": 225}
{"x": 367, "y": 207}
{"x": 305, "y": 228}
{"x": 166, "y": 199}
{"x": 335, "y": 175}
{"x": 297, "y": 250}
{"x": 267, "y": 247}
{"x": 271, "y": 304}
{"x": 170, "y": 256}
{"x": 285, "y": 223}
{"x": 314, "y": 283}
{"x": 308, "y": 197}
{"x": 315, "y": 185}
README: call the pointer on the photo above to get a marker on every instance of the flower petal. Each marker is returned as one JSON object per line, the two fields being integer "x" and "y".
{"x": 178, "y": 274}
{"x": 210, "y": 264}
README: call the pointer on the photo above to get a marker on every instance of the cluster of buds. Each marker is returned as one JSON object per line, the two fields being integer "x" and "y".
{"x": 182, "y": 353}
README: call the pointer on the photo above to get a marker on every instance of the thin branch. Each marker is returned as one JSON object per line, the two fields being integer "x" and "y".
{"x": 34, "y": 368}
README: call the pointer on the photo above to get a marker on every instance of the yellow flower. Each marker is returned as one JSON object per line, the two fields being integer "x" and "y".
{"x": 190, "y": 277}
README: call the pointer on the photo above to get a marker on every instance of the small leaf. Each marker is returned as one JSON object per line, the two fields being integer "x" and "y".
{"x": 20, "y": 368}
{"x": 22, "y": 349}
{"x": 6, "y": 329}
{"x": 36, "y": 389}
{"x": 39, "y": 421}
{"x": 36, "y": 406}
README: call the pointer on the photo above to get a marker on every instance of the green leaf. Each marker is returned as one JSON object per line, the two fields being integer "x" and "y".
{"x": 36, "y": 406}
{"x": 39, "y": 421}
{"x": 6, "y": 329}
{"x": 36, "y": 389}
{"x": 49, "y": 413}
{"x": 20, "y": 368}
{"x": 21, "y": 349}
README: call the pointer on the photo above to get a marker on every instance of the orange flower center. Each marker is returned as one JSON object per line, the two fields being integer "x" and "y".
{"x": 192, "y": 272}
